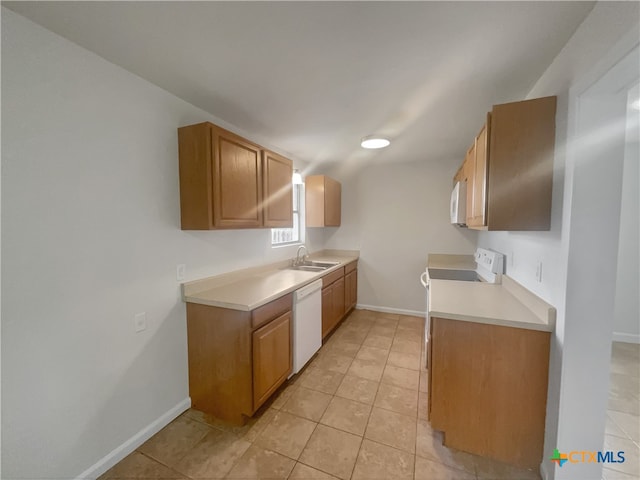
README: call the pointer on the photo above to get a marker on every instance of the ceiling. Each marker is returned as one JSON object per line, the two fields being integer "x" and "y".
{"x": 312, "y": 78}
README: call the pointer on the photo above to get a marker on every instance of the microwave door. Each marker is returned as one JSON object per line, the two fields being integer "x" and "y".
{"x": 454, "y": 204}
{"x": 459, "y": 204}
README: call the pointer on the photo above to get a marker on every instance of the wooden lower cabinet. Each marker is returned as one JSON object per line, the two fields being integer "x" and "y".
{"x": 338, "y": 301}
{"x": 272, "y": 357}
{"x": 350, "y": 288}
{"x": 339, "y": 296}
{"x": 488, "y": 389}
{"x": 237, "y": 359}
{"x": 327, "y": 310}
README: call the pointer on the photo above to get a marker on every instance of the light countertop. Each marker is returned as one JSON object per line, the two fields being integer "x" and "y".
{"x": 507, "y": 304}
{"x": 251, "y": 288}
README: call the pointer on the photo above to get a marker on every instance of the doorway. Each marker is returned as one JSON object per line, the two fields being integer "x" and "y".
{"x": 594, "y": 183}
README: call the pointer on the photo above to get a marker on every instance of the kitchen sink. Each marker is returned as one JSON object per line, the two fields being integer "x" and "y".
{"x": 311, "y": 266}
{"x": 308, "y": 268}
{"x": 445, "y": 274}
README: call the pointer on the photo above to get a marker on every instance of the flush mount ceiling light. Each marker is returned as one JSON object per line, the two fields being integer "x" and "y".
{"x": 374, "y": 141}
{"x": 296, "y": 178}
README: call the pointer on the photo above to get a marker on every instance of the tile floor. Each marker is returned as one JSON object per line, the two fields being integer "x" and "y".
{"x": 623, "y": 414}
{"x": 358, "y": 411}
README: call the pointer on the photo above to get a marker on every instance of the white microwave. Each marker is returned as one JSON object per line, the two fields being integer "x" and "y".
{"x": 459, "y": 204}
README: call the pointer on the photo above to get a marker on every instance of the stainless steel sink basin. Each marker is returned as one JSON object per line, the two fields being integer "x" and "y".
{"x": 444, "y": 274}
{"x": 311, "y": 266}
{"x": 308, "y": 268}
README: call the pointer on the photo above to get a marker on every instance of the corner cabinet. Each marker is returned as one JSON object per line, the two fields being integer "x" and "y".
{"x": 509, "y": 168}
{"x": 237, "y": 359}
{"x": 228, "y": 182}
{"x": 323, "y": 201}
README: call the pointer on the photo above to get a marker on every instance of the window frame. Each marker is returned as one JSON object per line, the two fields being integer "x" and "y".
{"x": 297, "y": 192}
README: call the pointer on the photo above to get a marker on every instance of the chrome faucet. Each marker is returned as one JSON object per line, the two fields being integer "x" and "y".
{"x": 297, "y": 260}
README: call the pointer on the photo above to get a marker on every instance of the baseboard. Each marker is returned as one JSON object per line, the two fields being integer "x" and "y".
{"x": 120, "y": 452}
{"x": 626, "y": 337}
{"x": 400, "y": 311}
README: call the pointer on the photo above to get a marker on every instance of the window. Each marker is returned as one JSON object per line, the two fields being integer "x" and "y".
{"x": 289, "y": 236}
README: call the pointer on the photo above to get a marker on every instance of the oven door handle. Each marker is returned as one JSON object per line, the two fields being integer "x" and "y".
{"x": 423, "y": 280}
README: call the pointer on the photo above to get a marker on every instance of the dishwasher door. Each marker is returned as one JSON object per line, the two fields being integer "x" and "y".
{"x": 307, "y": 324}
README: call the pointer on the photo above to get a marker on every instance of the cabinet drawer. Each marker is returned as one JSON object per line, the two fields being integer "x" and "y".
{"x": 332, "y": 277}
{"x": 350, "y": 267}
{"x": 271, "y": 310}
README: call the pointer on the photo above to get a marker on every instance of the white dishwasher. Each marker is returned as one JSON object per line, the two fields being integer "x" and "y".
{"x": 307, "y": 323}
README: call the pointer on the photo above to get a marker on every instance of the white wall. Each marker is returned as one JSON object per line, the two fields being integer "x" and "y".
{"x": 601, "y": 30}
{"x": 626, "y": 322}
{"x": 90, "y": 237}
{"x": 604, "y": 26}
{"x": 396, "y": 214}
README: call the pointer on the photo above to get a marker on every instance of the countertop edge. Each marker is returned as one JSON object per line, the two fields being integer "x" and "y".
{"x": 541, "y": 327}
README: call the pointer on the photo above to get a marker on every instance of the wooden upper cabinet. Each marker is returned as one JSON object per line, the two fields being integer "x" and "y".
{"x": 278, "y": 190}
{"x": 237, "y": 181}
{"x": 459, "y": 176}
{"x": 227, "y": 181}
{"x": 196, "y": 177}
{"x": 323, "y": 201}
{"x": 510, "y": 188}
{"x": 521, "y": 149}
{"x": 468, "y": 172}
{"x": 476, "y": 217}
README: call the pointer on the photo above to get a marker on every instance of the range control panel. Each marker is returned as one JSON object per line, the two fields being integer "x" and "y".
{"x": 489, "y": 260}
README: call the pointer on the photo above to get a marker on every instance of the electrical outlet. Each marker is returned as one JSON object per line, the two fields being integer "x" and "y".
{"x": 181, "y": 272}
{"x": 140, "y": 322}
{"x": 539, "y": 272}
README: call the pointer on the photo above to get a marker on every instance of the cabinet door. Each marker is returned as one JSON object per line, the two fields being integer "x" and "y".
{"x": 478, "y": 217}
{"x": 332, "y": 202}
{"x": 350, "y": 289}
{"x": 469, "y": 167}
{"x": 327, "y": 310}
{"x": 278, "y": 190}
{"x": 272, "y": 357}
{"x": 323, "y": 197}
{"x": 338, "y": 301}
{"x": 521, "y": 156}
{"x": 237, "y": 181}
